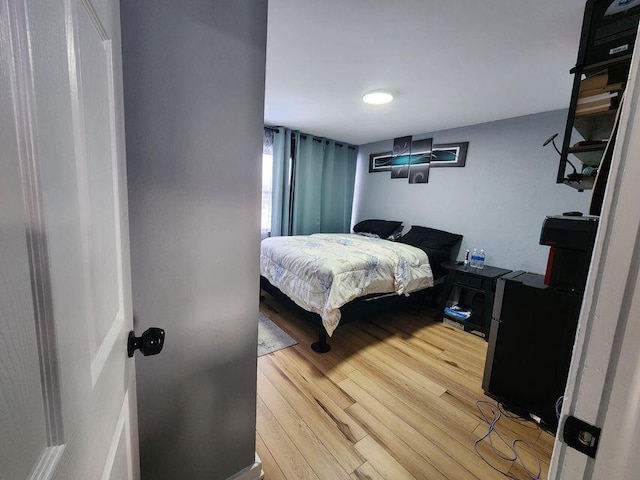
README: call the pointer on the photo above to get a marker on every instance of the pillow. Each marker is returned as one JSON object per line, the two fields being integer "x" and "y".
{"x": 397, "y": 233}
{"x": 382, "y": 228}
{"x": 436, "y": 259}
{"x": 430, "y": 239}
{"x": 437, "y": 244}
{"x": 368, "y": 235}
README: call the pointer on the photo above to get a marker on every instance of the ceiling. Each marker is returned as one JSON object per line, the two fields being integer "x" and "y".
{"x": 450, "y": 63}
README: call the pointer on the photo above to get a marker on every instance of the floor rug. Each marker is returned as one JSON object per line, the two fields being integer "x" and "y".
{"x": 271, "y": 338}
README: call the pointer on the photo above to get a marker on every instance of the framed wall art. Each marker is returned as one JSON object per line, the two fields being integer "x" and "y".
{"x": 442, "y": 155}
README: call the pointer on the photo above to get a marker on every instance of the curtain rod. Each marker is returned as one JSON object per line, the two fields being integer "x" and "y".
{"x": 324, "y": 140}
{"x": 315, "y": 139}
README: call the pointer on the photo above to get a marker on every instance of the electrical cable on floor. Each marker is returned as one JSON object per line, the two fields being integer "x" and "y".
{"x": 524, "y": 421}
{"x": 559, "y": 406}
{"x": 496, "y": 412}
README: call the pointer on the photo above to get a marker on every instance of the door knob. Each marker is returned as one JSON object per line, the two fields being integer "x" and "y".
{"x": 150, "y": 343}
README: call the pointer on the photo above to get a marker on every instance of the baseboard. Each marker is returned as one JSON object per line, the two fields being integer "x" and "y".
{"x": 252, "y": 472}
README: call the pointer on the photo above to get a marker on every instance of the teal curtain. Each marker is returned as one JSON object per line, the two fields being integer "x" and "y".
{"x": 307, "y": 185}
{"x": 281, "y": 187}
{"x": 338, "y": 178}
{"x": 312, "y": 186}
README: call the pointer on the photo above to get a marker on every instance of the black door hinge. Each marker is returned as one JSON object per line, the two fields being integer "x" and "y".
{"x": 581, "y": 436}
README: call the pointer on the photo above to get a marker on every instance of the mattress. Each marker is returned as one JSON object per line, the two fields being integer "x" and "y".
{"x": 323, "y": 272}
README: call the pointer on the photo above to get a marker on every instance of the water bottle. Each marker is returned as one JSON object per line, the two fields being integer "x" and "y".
{"x": 481, "y": 257}
{"x": 475, "y": 257}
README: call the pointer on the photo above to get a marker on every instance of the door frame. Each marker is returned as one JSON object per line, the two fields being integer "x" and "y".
{"x": 610, "y": 320}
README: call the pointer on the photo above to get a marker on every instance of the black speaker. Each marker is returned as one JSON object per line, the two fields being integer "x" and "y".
{"x": 571, "y": 240}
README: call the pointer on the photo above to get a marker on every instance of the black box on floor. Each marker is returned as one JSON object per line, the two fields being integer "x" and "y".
{"x": 530, "y": 345}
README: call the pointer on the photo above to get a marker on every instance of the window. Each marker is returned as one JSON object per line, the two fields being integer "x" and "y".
{"x": 267, "y": 182}
{"x": 283, "y": 183}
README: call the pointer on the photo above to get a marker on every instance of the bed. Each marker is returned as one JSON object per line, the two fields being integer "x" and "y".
{"x": 323, "y": 272}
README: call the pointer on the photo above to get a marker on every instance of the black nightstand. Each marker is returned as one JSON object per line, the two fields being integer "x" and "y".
{"x": 477, "y": 287}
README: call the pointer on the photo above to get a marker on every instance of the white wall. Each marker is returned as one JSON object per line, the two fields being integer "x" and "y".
{"x": 194, "y": 100}
{"x": 497, "y": 201}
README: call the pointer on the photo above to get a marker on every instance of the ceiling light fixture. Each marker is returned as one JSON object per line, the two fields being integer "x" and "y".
{"x": 377, "y": 97}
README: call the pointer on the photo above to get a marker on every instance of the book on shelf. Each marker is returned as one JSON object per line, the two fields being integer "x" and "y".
{"x": 593, "y": 110}
{"x": 589, "y": 143}
{"x": 599, "y": 80}
{"x": 597, "y": 103}
{"x": 458, "y": 311}
{"x": 611, "y": 87}
{"x": 606, "y": 103}
{"x": 597, "y": 98}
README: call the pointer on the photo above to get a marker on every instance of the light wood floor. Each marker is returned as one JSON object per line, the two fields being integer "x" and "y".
{"x": 395, "y": 398}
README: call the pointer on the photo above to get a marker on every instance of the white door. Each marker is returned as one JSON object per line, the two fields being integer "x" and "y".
{"x": 603, "y": 388}
{"x": 67, "y": 387}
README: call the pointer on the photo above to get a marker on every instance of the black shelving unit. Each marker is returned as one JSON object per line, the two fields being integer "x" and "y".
{"x": 606, "y": 46}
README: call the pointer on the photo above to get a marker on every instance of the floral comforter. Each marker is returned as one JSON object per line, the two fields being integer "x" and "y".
{"x": 323, "y": 272}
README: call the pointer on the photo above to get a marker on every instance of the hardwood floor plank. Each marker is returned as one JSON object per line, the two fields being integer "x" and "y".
{"x": 282, "y": 448}
{"x": 452, "y": 351}
{"x": 435, "y": 368}
{"x": 329, "y": 431}
{"x": 305, "y": 333}
{"x": 454, "y": 459}
{"x": 408, "y": 393}
{"x": 528, "y": 457}
{"x": 392, "y": 359}
{"x": 312, "y": 376}
{"x": 519, "y": 471}
{"x": 545, "y": 444}
{"x": 372, "y": 401}
{"x": 312, "y": 449}
{"x": 380, "y": 429}
{"x": 511, "y": 425}
{"x": 448, "y": 435}
{"x": 411, "y": 346}
{"x": 444, "y": 461}
{"x": 446, "y": 339}
{"x": 366, "y": 472}
{"x": 269, "y": 465}
{"x": 382, "y": 461}
{"x": 335, "y": 373}
{"x": 391, "y": 325}
{"x": 323, "y": 394}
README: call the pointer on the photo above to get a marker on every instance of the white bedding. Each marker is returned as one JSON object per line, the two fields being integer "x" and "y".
{"x": 323, "y": 272}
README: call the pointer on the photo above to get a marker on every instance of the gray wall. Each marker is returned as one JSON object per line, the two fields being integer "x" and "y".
{"x": 497, "y": 201}
{"x": 194, "y": 96}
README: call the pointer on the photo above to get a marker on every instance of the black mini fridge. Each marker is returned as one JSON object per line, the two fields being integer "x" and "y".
{"x": 530, "y": 345}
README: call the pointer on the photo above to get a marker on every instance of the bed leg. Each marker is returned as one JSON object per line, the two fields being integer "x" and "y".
{"x": 321, "y": 346}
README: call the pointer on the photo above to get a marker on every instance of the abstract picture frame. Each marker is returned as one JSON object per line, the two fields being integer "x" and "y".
{"x": 442, "y": 155}
{"x": 449, "y": 154}
{"x": 400, "y": 157}
{"x": 420, "y": 160}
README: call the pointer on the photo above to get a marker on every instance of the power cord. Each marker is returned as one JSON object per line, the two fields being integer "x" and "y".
{"x": 496, "y": 414}
{"x": 559, "y": 406}
{"x": 523, "y": 421}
